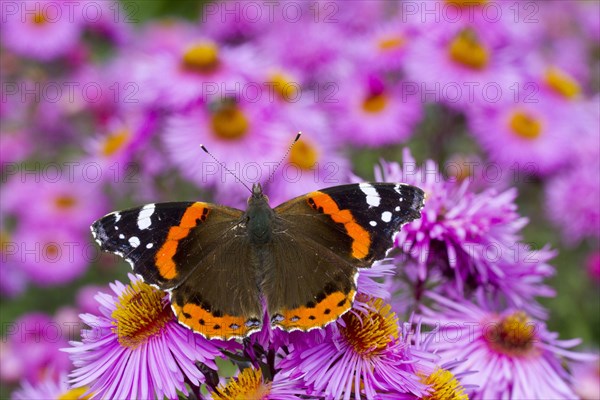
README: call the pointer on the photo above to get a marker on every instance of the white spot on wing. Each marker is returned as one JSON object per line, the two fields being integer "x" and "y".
{"x": 117, "y": 217}
{"x": 372, "y": 223}
{"x": 144, "y": 220}
{"x": 397, "y": 208}
{"x": 386, "y": 216}
{"x": 149, "y": 245}
{"x": 373, "y": 198}
{"x": 121, "y": 236}
{"x": 134, "y": 241}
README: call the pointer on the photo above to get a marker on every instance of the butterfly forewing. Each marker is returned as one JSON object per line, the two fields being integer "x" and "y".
{"x": 337, "y": 230}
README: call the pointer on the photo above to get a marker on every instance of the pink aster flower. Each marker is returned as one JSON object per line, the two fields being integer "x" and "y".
{"x": 41, "y": 29}
{"x": 572, "y": 202}
{"x": 514, "y": 355}
{"x": 467, "y": 240}
{"x": 586, "y": 376}
{"x": 49, "y": 388}
{"x": 51, "y": 255}
{"x": 360, "y": 356}
{"x": 118, "y": 144}
{"x": 460, "y": 66}
{"x": 373, "y": 112}
{"x": 251, "y": 384}
{"x": 314, "y": 161}
{"x": 65, "y": 194}
{"x": 526, "y": 136}
{"x": 241, "y": 135}
{"x": 136, "y": 349}
{"x": 31, "y": 349}
{"x": 197, "y": 69}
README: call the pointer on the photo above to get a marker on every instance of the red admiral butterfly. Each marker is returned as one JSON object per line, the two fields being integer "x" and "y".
{"x": 302, "y": 256}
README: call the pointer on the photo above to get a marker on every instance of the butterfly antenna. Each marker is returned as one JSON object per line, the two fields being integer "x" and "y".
{"x": 224, "y": 167}
{"x": 284, "y": 156}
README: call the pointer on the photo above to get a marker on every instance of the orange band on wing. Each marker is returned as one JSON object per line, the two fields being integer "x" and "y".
{"x": 212, "y": 326}
{"x": 164, "y": 256}
{"x": 328, "y": 310}
{"x": 361, "y": 240}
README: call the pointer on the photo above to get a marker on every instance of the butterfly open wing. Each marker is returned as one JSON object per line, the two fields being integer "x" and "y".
{"x": 338, "y": 230}
{"x": 195, "y": 250}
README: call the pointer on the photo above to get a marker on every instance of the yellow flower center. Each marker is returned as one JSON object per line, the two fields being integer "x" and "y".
{"x": 370, "y": 333}
{"x": 467, "y": 3}
{"x": 114, "y": 142}
{"x": 65, "y": 202}
{"x": 75, "y": 394}
{"x": 39, "y": 19}
{"x": 513, "y": 335}
{"x": 444, "y": 386}
{"x": 375, "y": 103}
{"x": 229, "y": 123}
{"x": 391, "y": 43}
{"x": 304, "y": 155}
{"x": 4, "y": 240}
{"x": 525, "y": 125}
{"x": 467, "y": 50}
{"x": 52, "y": 250}
{"x": 283, "y": 86}
{"x": 141, "y": 313}
{"x": 562, "y": 83}
{"x": 201, "y": 57}
{"x": 248, "y": 385}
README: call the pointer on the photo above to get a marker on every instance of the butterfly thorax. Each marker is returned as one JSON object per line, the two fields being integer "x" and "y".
{"x": 259, "y": 217}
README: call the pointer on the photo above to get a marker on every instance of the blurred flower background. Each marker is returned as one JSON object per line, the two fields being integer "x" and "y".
{"x": 492, "y": 108}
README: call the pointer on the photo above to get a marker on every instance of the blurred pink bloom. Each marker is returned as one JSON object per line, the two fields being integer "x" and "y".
{"x": 40, "y": 29}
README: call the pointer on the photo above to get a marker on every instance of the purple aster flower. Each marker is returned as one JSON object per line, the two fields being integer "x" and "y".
{"x": 374, "y": 112}
{"x": 526, "y": 136}
{"x": 71, "y": 201}
{"x": 136, "y": 348}
{"x": 314, "y": 161}
{"x": 197, "y": 69}
{"x": 513, "y": 355}
{"x": 251, "y": 384}
{"x": 49, "y": 388}
{"x": 586, "y": 376}
{"x": 572, "y": 201}
{"x": 312, "y": 47}
{"x": 593, "y": 266}
{"x": 242, "y": 135}
{"x": 50, "y": 255}
{"x": 361, "y": 355}
{"x": 120, "y": 140}
{"x": 466, "y": 241}
{"x": 32, "y": 351}
{"x": 460, "y": 66}
{"x": 42, "y": 30}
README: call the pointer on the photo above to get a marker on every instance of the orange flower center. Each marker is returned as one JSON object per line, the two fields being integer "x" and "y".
{"x": 304, "y": 155}
{"x": 114, "y": 142}
{"x": 375, "y": 103}
{"x": 467, "y": 50}
{"x": 514, "y": 334}
{"x": 391, "y": 43}
{"x": 370, "y": 333}
{"x": 140, "y": 314}
{"x": 562, "y": 83}
{"x": 248, "y": 385}
{"x": 443, "y": 386}
{"x": 201, "y": 57}
{"x": 65, "y": 202}
{"x": 283, "y": 86}
{"x": 229, "y": 123}
{"x": 525, "y": 125}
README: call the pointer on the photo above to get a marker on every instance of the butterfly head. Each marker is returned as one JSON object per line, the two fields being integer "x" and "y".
{"x": 257, "y": 195}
